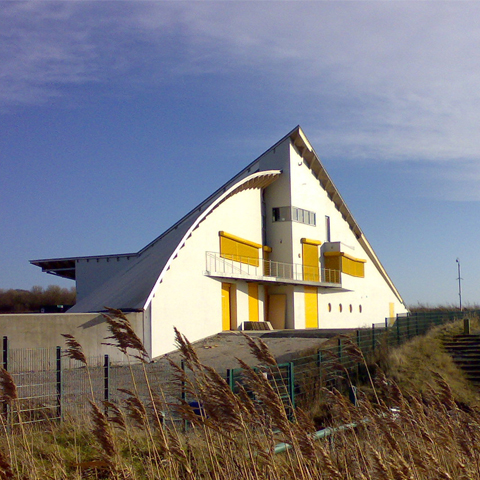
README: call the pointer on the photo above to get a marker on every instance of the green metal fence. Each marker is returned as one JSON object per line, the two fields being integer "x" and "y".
{"x": 51, "y": 385}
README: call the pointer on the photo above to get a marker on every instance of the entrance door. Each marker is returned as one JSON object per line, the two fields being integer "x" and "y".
{"x": 229, "y": 306}
{"x": 311, "y": 307}
{"x": 277, "y": 311}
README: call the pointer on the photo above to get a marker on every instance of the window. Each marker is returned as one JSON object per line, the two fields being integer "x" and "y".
{"x": 282, "y": 214}
{"x": 294, "y": 214}
{"x": 329, "y": 307}
{"x": 327, "y": 228}
{"x": 340, "y": 308}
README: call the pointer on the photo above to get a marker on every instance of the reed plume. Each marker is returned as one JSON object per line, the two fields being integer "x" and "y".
{"x": 9, "y": 389}
{"x": 124, "y": 335}
{"x": 74, "y": 349}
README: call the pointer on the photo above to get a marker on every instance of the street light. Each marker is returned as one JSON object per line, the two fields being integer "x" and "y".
{"x": 459, "y": 284}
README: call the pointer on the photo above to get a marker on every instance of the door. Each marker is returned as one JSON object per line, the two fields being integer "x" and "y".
{"x": 277, "y": 311}
{"x": 229, "y": 306}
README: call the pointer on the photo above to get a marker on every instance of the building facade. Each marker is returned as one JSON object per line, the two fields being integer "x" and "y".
{"x": 276, "y": 243}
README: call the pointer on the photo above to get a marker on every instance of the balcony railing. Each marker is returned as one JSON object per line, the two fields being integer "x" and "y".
{"x": 235, "y": 266}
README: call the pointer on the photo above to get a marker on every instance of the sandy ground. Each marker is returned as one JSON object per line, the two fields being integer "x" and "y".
{"x": 220, "y": 351}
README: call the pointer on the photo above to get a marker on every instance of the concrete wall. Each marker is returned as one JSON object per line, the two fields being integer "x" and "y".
{"x": 34, "y": 330}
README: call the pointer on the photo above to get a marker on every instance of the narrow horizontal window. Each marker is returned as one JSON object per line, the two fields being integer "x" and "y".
{"x": 294, "y": 214}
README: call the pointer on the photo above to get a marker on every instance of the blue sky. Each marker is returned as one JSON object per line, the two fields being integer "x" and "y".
{"x": 117, "y": 118}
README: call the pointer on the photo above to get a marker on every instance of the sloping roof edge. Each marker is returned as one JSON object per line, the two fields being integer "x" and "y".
{"x": 256, "y": 180}
{"x": 300, "y": 141}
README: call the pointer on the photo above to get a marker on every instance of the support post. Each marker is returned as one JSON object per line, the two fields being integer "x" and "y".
{"x": 184, "y": 394}
{"x": 106, "y": 378}
{"x": 5, "y": 366}
{"x": 291, "y": 386}
{"x": 373, "y": 337}
{"x": 5, "y": 353}
{"x": 59, "y": 382}
{"x": 230, "y": 379}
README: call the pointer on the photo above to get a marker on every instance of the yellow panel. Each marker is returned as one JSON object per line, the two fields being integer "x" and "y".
{"x": 391, "y": 309}
{"x": 239, "y": 251}
{"x": 239, "y": 239}
{"x": 332, "y": 269}
{"x": 311, "y": 270}
{"x": 233, "y": 307}
{"x": 310, "y": 241}
{"x": 277, "y": 311}
{"x": 345, "y": 263}
{"x": 253, "y": 302}
{"x": 226, "y": 324}
{"x": 311, "y": 307}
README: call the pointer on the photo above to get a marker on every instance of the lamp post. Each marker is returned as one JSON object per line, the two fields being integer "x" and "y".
{"x": 459, "y": 284}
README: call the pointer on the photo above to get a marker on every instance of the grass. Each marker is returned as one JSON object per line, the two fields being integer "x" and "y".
{"x": 419, "y": 420}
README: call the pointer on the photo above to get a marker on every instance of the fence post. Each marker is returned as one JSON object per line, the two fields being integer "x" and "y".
{"x": 230, "y": 379}
{"x": 373, "y": 338}
{"x": 59, "y": 382}
{"x": 184, "y": 394}
{"x": 5, "y": 353}
{"x": 291, "y": 384}
{"x": 5, "y": 366}
{"x": 319, "y": 366}
{"x": 106, "y": 378}
{"x": 398, "y": 331}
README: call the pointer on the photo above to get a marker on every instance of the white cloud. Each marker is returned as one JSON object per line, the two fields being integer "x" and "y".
{"x": 398, "y": 80}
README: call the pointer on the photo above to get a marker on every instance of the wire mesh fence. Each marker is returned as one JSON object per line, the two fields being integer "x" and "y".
{"x": 51, "y": 386}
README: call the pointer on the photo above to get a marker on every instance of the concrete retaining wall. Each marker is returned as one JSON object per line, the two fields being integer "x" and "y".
{"x": 35, "y": 330}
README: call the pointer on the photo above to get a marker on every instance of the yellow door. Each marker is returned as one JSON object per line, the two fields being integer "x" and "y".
{"x": 311, "y": 307}
{"x": 277, "y": 311}
{"x": 253, "y": 302}
{"x": 226, "y": 311}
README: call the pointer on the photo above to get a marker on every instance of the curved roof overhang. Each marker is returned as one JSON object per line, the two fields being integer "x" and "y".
{"x": 301, "y": 143}
{"x": 256, "y": 180}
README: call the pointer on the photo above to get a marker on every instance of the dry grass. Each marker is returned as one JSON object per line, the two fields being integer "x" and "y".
{"x": 412, "y": 364}
{"x": 403, "y": 434}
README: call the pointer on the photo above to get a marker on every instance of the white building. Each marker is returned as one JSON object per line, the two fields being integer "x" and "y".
{"x": 276, "y": 243}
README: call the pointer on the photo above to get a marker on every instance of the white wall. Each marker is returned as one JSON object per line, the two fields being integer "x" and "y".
{"x": 190, "y": 300}
{"x": 372, "y": 293}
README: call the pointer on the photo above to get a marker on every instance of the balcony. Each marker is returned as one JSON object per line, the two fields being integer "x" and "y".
{"x": 268, "y": 271}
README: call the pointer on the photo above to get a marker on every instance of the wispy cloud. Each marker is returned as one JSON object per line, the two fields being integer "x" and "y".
{"x": 390, "y": 80}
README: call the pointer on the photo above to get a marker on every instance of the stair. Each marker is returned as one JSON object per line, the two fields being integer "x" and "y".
{"x": 465, "y": 351}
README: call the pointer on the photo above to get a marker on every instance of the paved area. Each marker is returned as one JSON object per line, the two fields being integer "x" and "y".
{"x": 220, "y": 351}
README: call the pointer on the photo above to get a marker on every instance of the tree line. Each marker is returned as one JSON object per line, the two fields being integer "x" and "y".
{"x": 37, "y": 299}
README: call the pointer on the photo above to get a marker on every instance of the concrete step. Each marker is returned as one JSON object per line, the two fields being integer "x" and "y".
{"x": 465, "y": 352}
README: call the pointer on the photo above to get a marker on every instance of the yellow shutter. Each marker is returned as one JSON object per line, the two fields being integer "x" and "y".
{"x": 311, "y": 271}
{"x": 239, "y": 250}
{"x": 344, "y": 263}
{"x": 311, "y": 307}
{"x": 253, "y": 302}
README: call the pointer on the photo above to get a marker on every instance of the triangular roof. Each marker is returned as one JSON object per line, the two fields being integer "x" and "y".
{"x": 133, "y": 287}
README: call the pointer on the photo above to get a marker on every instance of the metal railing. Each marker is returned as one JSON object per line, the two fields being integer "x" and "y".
{"x": 248, "y": 267}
